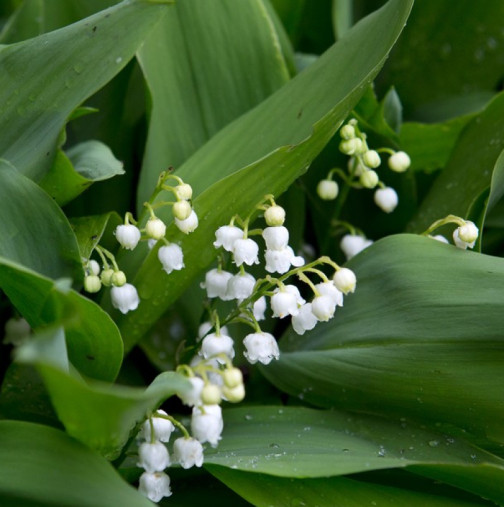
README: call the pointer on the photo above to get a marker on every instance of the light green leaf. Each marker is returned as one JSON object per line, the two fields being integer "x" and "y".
{"x": 269, "y": 164}
{"x": 421, "y": 337}
{"x": 100, "y": 415}
{"x": 265, "y": 490}
{"x": 78, "y": 168}
{"x": 94, "y": 343}
{"x": 34, "y": 231}
{"x": 232, "y": 62}
{"x": 43, "y": 466}
{"x": 44, "y": 79}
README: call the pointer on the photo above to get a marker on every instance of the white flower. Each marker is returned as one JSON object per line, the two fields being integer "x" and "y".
{"x": 352, "y": 244}
{"x": 153, "y": 457}
{"x": 226, "y": 235}
{"x": 188, "y": 452}
{"x": 274, "y": 215}
{"x": 154, "y": 486}
{"x": 155, "y": 228}
{"x": 260, "y": 347}
{"x": 280, "y": 261}
{"x": 204, "y": 327}
{"x": 163, "y": 428}
{"x": 259, "y": 308}
{"x": 245, "y": 251}
{"x": 327, "y": 190}
{"x": 124, "y": 298}
{"x": 295, "y": 291}
{"x": 216, "y": 282}
{"x": 440, "y": 238}
{"x": 171, "y": 257}
{"x": 276, "y": 238}
{"x": 128, "y": 236}
{"x": 399, "y": 162}
{"x": 466, "y": 235}
{"x": 304, "y": 320}
{"x": 240, "y": 286}
{"x": 193, "y": 397}
{"x": 214, "y": 344}
{"x": 330, "y": 290}
{"x": 386, "y": 199}
{"x": 16, "y": 331}
{"x": 189, "y": 224}
{"x": 371, "y": 159}
{"x": 207, "y": 424}
{"x": 345, "y": 280}
{"x": 323, "y": 307}
{"x": 284, "y": 303}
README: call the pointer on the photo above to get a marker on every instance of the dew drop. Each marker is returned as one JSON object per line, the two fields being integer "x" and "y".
{"x": 433, "y": 443}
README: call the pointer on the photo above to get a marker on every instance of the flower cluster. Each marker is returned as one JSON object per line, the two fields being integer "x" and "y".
{"x": 361, "y": 168}
{"x": 464, "y": 236}
{"x": 124, "y": 295}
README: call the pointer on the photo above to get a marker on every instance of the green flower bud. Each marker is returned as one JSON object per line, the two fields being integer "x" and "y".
{"x": 118, "y": 278}
{"x": 92, "y": 283}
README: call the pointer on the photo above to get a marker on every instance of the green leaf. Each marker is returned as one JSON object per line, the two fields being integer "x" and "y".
{"x": 100, "y": 415}
{"x": 265, "y": 490}
{"x": 47, "y": 77}
{"x": 78, "y": 168}
{"x": 421, "y": 337}
{"x": 43, "y": 466}
{"x": 269, "y": 164}
{"x": 469, "y": 170}
{"x": 185, "y": 83}
{"x": 34, "y": 231}
{"x": 300, "y": 442}
{"x": 94, "y": 343}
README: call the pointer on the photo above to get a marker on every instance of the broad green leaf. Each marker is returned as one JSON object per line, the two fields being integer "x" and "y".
{"x": 232, "y": 63}
{"x": 469, "y": 169}
{"x": 94, "y": 343}
{"x": 445, "y": 72}
{"x": 42, "y": 466}
{"x": 34, "y": 231}
{"x": 78, "y": 168}
{"x": 265, "y": 490}
{"x": 300, "y": 442}
{"x": 239, "y": 165}
{"x": 100, "y": 415}
{"x": 76, "y": 61}
{"x": 421, "y": 337}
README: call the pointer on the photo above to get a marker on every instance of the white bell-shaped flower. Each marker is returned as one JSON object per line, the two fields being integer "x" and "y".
{"x": 345, "y": 280}
{"x": 216, "y": 282}
{"x": 323, "y": 307}
{"x": 207, "y": 424}
{"x": 284, "y": 303}
{"x": 327, "y": 190}
{"x": 163, "y": 428}
{"x": 188, "y": 452}
{"x": 260, "y": 347}
{"x": 304, "y": 320}
{"x": 295, "y": 291}
{"x": 259, "y": 308}
{"x": 188, "y": 225}
{"x": 353, "y": 244}
{"x": 276, "y": 238}
{"x": 240, "y": 286}
{"x": 204, "y": 327}
{"x": 245, "y": 251}
{"x": 330, "y": 290}
{"x": 399, "y": 162}
{"x": 193, "y": 396}
{"x": 154, "y": 486}
{"x": 214, "y": 344}
{"x": 226, "y": 235}
{"x": 386, "y": 199}
{"x": 171, "y": 257}
{"x": 125, "y": 298}
{"x": 468, "y": 233}
{"x": 280, "y": 261}
{"x": 153, "y": 457}
{"x": 128, "y": 236}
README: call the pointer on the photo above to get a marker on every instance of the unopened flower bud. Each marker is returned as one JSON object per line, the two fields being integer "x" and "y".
{"x": 274, "y": 215}
{"x": 118, "y": 278}
{"x": 345, "y": 280}
{"x": 234, "y": 394}
{"x": 211, "y": 394}
{"x": 369, "y": 179}
{"x": 93, "y": 267}
{"x": 181, "y": 209}
{"x": 327, "y": 190}
{"x": 399, "y": 162}
{"x": 155, "y": 228}
{"x": 347, "y": 132}
{"x": 468, "y": 232}
{"x": 232, "y": 377}
{"x": 351, "y": 146}
{"x": 386, "y": 199}
{"x": 106, "y": 276}
{"x": 92, "y": 284}
{"x": 184, "y": 191}
{"x": 371, "y": 159}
